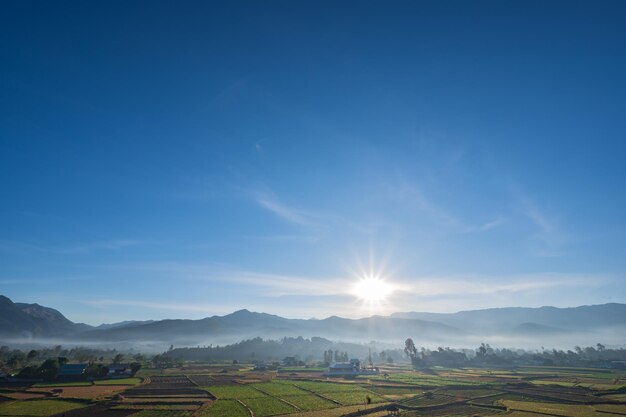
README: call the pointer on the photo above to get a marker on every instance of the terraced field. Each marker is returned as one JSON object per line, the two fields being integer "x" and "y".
{"x": 241, "y": 392}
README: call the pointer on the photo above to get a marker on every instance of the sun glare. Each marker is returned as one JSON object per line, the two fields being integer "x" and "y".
{"x": 372, "y": 289}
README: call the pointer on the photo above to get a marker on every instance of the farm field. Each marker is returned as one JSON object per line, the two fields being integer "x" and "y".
{"x": 239, "y": 391}
{"x": 38, "y": 408}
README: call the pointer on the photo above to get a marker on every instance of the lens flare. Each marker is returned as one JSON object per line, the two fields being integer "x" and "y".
{"x": 372, "y": 289}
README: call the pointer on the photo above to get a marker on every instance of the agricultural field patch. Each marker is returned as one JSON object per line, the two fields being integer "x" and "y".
{"x": 611, "y": 408}
{"x": 63, "y": 384}
{"x": 335, "y": 412}
{"x": 222, "y": 408}
{"x": 98, "y": 410}
{"x": 468, "y": 393}
{"x": 461, "y": 410}
{"x": 120, "y": 381}
{"x": 555, "y": 409}
{"x": 38, "y": 408}
{"x": 8, "y": 395}
{"x": 159, "y": 413}
{"x": 399, "y": 391}
{"x": 279, "y": 389}
{"x": 92, "y": 391}
{"x": 268, "y": 406}
{"x": 353, "y": 397}
{"x": 429, "y": 401}
{"x": 202, "y": 380}
{"x": 308, "y": 402}
{"x": 234, "y": 392}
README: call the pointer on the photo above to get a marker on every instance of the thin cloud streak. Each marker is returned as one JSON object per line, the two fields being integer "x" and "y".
{"x": 278, "y": 285}
{"x": 284, "y": 212}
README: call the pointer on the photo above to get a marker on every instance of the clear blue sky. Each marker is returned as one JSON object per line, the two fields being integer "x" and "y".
{"x": 185, "y": 159}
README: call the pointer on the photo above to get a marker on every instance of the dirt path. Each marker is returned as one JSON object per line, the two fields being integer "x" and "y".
{"x": 247, "y": 408}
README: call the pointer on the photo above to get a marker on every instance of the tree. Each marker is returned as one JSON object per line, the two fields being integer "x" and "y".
{"x": 118, "y": 358}
{"x": 410, "y": 350}
{"x": 32, "y": 355}
{"x": 49, "y": 369}
{"x": 135, "y": 367}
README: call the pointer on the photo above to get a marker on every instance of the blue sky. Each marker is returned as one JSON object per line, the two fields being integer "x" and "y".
{"x": 168, "y": 159}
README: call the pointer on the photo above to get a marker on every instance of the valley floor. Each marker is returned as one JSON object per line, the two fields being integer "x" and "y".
{"x": 208, "y": 390}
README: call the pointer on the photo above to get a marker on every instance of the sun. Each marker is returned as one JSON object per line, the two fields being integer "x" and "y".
{"x": 372, "y": 289}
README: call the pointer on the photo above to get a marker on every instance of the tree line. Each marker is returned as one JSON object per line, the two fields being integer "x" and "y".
{"x": 483, "y": 355}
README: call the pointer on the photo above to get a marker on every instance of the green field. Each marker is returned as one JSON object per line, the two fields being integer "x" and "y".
{"x": 268, "y": 406}
{"x": 308, "y": 402}
{"x": 222, "y": 408}
{"x": 235, "y": 392}
{"x": 38, "y": 408}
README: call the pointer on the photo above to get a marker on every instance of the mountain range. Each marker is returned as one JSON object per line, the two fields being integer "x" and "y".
{"x": 516, "y": 326}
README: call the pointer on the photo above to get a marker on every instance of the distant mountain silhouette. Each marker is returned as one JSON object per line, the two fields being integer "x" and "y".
{"x": 504, "y": 319}
{"x": 519, "y": 325}
{"x": 33, "y": 320}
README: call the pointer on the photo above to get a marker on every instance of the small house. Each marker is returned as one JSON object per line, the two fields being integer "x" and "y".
{"x": 120, "y": 370}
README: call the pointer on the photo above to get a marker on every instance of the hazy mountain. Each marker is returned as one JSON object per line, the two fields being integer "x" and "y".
{"x": 244, "y": 324}
{"x": 125, "y": 323}
{"x": 33, "y": 320}
{"x": 504, "y": 319}
{"x": 516, "y": 327}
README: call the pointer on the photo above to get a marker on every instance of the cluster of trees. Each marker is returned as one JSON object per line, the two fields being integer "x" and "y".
{"x": 46, "y": 363}
{"x": 15, "y": 359}
{"x": 598, "y": 356}
{"x": 335, "y": 356}
{"x": 48, "y": 370}
{"x": 260, "y": 350}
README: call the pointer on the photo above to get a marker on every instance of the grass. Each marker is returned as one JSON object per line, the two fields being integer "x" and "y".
{"x": 221, "y": 408}
{"x": 38, "y": 408}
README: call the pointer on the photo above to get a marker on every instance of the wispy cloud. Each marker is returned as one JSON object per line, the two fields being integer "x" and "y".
{"x": 499, "y": 221}
{"x": 270, "y": 202}
{"x": 430, "y": 287}
{"x": 414, "y": 195}
{"x": 280, "y": 285}
{"x": 548, "y": 237}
